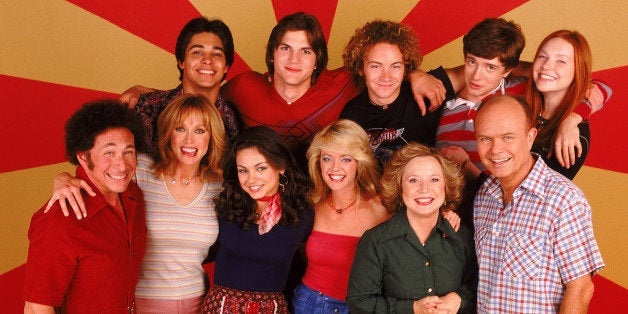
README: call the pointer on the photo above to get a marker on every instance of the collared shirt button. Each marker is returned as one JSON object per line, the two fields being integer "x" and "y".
{"x": 427, "y": 263}
{"x": 429, "y": 290}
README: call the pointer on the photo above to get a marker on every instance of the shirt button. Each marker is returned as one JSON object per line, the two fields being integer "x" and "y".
{"x": 427, "y": 263}
{"x": 429, "y": 290}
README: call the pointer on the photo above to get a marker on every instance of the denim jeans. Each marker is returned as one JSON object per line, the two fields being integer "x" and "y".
{"x": 306, "y": 300}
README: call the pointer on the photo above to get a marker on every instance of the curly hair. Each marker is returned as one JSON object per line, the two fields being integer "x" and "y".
{"x": 393, "y": 173}
{"x": 495, "y": 37}
{"x": 96, "y": 117}
{"x": 378, "y": 31}
{"x": 235, "y": 205}
{"x": 299, "y": 22}
{"x": 577, "y": 90}
{"x": 172, "y": 117}
{"x": 347, "y": 137}
{"x": 204, "y": 25}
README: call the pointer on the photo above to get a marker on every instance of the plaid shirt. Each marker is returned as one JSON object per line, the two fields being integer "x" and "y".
{"x": 528, "y": 249}
{"x": 150, "y": 105}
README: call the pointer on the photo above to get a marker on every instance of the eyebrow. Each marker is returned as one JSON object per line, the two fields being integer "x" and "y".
{"x": 203, "y": 47}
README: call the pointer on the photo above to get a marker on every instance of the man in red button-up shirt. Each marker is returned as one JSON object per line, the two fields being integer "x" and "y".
{"x": 92, "y": 265}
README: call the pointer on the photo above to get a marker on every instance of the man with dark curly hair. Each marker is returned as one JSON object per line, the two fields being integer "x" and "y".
{"x": 382, "y": 53}
{"x": 93, "y": 264}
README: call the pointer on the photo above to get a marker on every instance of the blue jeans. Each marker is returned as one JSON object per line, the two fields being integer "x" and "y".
{"x": 306, "y": 300}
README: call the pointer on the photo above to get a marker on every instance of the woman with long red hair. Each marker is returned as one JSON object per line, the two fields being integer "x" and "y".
{"x": 561, "y": 77}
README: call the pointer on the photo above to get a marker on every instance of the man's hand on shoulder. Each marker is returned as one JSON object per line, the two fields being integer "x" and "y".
{"x": 132, "y": 95}
{"x": 426, "y": 86}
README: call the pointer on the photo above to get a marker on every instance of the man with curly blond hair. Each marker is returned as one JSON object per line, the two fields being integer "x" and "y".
{"x": 381, "y": 54}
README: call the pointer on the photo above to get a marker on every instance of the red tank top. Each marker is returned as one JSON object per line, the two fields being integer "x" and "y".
{"x": 329, "y": 262}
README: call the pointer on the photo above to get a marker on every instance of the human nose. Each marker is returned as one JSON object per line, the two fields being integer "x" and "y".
{"x": 477, "y": 72}
{"x": 293, "y": 57}
{"x": 208, "y": 58}
{"x": 119, "y": 163}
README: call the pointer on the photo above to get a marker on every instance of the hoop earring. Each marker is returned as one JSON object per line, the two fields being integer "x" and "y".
{"x": 283, "y": 184}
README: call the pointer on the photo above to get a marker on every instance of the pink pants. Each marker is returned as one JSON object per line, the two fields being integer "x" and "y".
{"x": 185, "y": 306}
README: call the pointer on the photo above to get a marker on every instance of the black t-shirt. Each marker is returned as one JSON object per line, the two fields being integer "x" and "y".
{"x": 390, "y": 129}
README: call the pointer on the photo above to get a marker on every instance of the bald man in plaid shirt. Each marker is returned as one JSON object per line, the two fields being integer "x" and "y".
{"x": 534, "y": 237}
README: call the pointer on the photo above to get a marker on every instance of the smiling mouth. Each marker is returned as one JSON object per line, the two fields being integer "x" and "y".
{"x": 117, "y": 177}
{"x": 189, "y": 151}
{"x": 548, "y": 77}
{"x": 336, "y": 178}
{"x": 207, "y": 72}
{"x": 500, "y": 161}
{"x": 255, "y": 188}
{"x": 424, "y": 201}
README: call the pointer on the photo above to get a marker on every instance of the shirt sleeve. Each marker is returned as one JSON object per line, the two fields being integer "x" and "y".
{"x": 51, "y": 260}
{"x": 364, "y": 294}
{"x": 584, "y": 109}
{"x": 575, "y": 249}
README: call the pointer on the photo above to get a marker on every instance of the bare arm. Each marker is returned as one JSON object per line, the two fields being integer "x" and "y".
{"x": 68, "y": 188}
{"x": 132, "y": 95}
{"x": 36, "y": 308}
{"x": 458, "y": 155}
{"x": 426, "y": 86}
{"x": 577, "y": 296}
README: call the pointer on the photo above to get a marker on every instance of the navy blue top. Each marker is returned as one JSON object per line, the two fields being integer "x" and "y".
{"x": 252, "y": 262}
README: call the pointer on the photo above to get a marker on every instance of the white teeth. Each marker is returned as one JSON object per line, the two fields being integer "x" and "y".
{"x": 500, "y": 161}
{"x": 120, "y": 177}
{"x": 206, "y": 71}
{"x": 189, "y": 150}
{"x": 423, "y": 200}
{"x": 336, "y": 178}
{"x": 255, "y": 188}
{"x": 548, "y": 77}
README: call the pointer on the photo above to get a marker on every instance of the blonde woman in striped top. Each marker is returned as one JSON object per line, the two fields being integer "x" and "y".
{"x": 179, "y": 186}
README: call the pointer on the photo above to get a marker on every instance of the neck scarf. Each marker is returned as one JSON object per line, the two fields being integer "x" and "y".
{"x": 271, "y": 214}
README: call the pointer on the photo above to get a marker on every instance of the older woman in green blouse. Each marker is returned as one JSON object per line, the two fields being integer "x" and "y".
{"x": 416, "y": 262}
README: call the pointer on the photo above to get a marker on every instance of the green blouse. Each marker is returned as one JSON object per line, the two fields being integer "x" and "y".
{"x": 391, "y": 268}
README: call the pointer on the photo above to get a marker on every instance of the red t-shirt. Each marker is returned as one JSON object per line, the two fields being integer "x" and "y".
{"x": 259, "y": 104}
{"x": 89, "y": 265}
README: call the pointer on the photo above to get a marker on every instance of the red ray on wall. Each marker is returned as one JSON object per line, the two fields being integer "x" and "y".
{"x": 33, "y": 121}
{"x": 608, "y": 296}
{"x": 158, "y": 22}
{"x": 323, "y": 10}
{"x": 437, "y": 26}
{"x": 608, "y": 126}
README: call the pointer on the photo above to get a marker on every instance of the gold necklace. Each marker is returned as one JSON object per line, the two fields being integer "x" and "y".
{"x": 340, "y": 210}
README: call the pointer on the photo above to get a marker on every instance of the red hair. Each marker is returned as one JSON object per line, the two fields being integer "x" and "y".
{"x": 576, "y": 91}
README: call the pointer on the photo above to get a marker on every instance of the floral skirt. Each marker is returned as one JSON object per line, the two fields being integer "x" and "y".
{"x": 233, "y": 301}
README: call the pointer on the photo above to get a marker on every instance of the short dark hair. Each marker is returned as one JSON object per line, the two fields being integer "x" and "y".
{"x": 96, "y": 117}
{"x": 204, "y": 25}
{"x": 237, "y": 206}
{"x": 495, "y": 37}
{"x": 299, "y": 22}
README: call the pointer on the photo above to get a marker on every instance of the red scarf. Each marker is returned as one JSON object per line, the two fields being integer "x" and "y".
{"x": 271, "y": 214}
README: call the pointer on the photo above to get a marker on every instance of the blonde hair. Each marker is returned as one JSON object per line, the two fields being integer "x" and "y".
{"x": 173, "y": 116}
{"x": 347, "y": 137}
{"x": 394, "y": 169}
